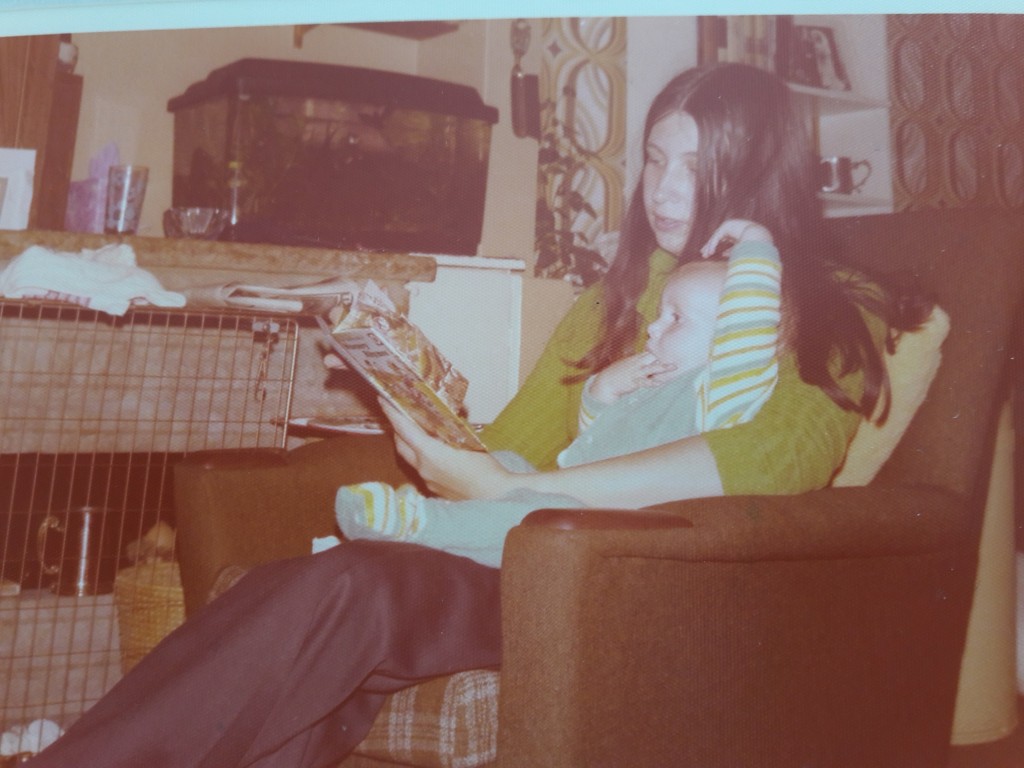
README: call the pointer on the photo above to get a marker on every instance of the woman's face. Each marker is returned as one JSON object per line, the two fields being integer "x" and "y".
{"x": 670, "y": 179}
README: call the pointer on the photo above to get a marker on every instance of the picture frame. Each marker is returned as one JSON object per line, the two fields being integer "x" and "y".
{"x": 17, "y": 171}
{"x": 814, "y": 59}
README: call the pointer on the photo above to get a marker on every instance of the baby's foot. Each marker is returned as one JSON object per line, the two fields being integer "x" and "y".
{"x": 378, "y": 511}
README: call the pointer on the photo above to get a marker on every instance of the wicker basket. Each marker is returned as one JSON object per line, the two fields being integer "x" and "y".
{"x": 149, "y": 605}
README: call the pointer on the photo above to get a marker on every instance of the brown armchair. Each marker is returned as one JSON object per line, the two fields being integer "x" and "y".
{"x": 824, "y": 629}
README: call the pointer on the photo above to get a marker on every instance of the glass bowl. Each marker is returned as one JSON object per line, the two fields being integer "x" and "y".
{"x": 195, "y": 223}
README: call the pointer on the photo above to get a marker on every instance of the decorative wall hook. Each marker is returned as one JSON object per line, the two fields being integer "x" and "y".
{"x": 524, "y": 88}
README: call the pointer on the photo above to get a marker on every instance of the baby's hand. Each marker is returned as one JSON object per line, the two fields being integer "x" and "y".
{"x": 733, "y": 231}
{"x": 628, "y": 375}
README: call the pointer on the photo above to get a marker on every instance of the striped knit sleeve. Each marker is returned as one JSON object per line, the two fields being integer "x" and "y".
{"x": 744, "y": 364}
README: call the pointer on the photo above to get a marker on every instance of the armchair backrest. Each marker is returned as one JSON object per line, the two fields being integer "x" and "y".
{"x": 971, "y": 262}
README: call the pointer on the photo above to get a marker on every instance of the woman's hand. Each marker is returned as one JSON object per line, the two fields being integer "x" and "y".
{"x": 734, "y": 231}
{"x": 449, "y": 472}
{"x": 332, "y": 361}
{"x": 628, "y": 375}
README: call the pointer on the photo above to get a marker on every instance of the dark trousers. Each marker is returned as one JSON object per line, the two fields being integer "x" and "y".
{"x": 290, "y": 666}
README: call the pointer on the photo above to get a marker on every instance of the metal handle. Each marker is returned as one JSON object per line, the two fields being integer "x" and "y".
{"x": 50, "y": 523}
{"x": 864, "y": 164}
{"x": 829, "y": 167}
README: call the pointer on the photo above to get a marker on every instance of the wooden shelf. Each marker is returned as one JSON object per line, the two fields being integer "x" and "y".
{"x": 837, "y": 102}
{"x": 853, "y": 200}
{"x": 412, "y": 30}
{"x": 837, "y": 205}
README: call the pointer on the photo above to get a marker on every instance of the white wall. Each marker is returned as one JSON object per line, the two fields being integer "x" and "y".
{"x": 480, "y": 55}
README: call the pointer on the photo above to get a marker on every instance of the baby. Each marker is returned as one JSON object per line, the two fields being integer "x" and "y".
{"x": 710, "y": 362}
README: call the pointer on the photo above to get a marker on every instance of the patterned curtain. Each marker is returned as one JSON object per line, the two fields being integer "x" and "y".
{"x": 957, "y": 92}
{"x": 582, "y": 148}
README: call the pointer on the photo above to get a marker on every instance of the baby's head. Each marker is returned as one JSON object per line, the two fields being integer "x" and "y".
{"x": 683, "y": 331}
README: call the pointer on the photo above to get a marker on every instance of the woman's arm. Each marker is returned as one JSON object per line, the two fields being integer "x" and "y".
{"x": 628, "y": 482}
{"x": 684, "y": 469}
{"x": 794, "y": 444}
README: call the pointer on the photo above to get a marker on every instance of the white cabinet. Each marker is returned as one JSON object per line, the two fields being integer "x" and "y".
{"x": 473, "y": 313}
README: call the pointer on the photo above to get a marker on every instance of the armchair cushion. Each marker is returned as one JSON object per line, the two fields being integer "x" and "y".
{"x": 448, "y": 722}
{"x": 911, "y": 368}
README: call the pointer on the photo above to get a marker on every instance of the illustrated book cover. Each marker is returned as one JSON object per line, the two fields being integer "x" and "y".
{"x": 403, "y": 365}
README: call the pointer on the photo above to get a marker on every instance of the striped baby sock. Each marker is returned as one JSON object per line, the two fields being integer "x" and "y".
{"x": 378, "y": 511}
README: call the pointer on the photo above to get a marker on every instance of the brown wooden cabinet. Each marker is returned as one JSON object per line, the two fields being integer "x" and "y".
{"x": 39, "y": 107}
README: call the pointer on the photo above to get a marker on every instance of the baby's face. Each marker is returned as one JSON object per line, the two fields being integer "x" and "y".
{"x": 685, "y": 325}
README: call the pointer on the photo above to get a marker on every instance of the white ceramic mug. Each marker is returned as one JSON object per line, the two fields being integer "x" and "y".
{"x": 836, "y": 174}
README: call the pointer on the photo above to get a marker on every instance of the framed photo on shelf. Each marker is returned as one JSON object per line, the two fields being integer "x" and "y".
{"x": 17, "y": 170}
{"x": 814, "y": 59}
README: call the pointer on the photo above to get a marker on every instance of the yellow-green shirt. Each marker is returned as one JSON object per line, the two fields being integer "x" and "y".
{"x": 794, "y": 444}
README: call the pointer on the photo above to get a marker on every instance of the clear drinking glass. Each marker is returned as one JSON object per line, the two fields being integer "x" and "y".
{"x": 126, "y": 189}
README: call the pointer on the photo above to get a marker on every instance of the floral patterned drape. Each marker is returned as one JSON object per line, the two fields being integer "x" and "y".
{"x": 582, "y": 148}
{"x": 957, "y": 93}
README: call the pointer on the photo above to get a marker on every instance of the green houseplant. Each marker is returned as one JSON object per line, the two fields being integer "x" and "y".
{"x": 563, "y": 251}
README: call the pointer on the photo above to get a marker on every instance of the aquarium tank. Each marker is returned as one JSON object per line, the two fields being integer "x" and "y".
{"x": 334, "y": 156}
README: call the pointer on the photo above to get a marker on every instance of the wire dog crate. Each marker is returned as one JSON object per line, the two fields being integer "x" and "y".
{"x": 94, "y": 411}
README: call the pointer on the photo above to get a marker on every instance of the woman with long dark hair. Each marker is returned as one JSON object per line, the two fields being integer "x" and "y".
{"x": 752, "y": 163}
{"x": 290, "y": 666}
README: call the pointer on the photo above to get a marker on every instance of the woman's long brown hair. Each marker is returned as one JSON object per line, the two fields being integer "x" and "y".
{"x": 754, "y": 162}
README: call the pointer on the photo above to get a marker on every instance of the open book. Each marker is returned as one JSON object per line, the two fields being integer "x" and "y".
{"x": 403, "y": 365}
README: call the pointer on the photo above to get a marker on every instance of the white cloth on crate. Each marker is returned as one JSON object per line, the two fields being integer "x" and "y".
{"x": 107, "y": 279}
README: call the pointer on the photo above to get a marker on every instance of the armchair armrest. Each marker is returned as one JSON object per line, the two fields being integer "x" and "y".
{"x": 835, "y": 522}
{"x": 237, "y": 458}
{"x": 836, "y": 602}
{"x": 250, "y": 506}
{"x": 605, "y": 519}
